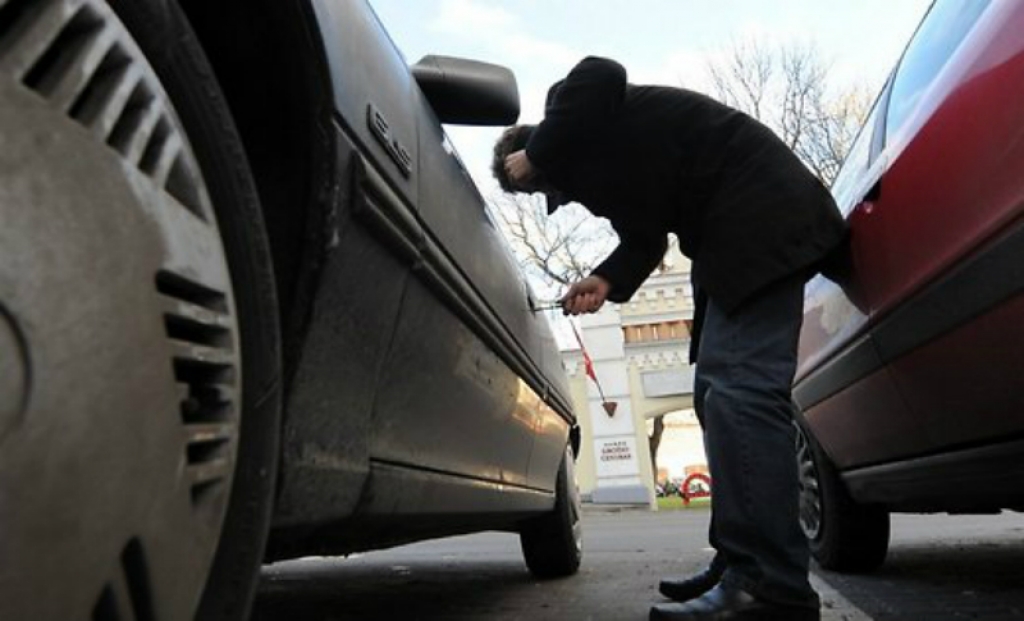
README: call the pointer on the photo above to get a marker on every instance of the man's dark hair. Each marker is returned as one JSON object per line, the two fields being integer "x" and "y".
{"x": 512, "y": 139}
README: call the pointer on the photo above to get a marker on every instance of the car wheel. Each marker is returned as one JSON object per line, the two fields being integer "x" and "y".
{"x": 139, "y": 399}
{"x": 553, "y": 543}
{"x": 844, "y": 535}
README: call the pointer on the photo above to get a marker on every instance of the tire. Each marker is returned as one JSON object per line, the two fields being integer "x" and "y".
{"x": 844, "y": 535}
{"x": 153, "y": 440}
{"x": 553, "y": 543}
{"x": 174, "y": 51}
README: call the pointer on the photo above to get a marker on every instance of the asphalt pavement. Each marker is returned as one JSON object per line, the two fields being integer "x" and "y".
{"x": 944, "y": 568}
{"x": 940, "y": 567}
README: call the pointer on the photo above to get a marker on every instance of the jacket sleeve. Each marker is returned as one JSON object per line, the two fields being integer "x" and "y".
{"x": 629, "y": 265}
{"x": 577, "y": 106}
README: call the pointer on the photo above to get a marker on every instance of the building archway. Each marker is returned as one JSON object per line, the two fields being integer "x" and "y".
{"x": 639, "y": 351}
{"x": 681, "y": 450}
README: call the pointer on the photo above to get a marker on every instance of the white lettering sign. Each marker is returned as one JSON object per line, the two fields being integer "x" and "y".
{"x": 616, "y": 451}
{"x": 616, "y": 457}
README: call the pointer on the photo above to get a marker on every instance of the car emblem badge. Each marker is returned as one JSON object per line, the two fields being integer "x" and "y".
{"x": 381, "y": 130}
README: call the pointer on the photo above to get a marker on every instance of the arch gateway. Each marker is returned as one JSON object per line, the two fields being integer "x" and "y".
{"x": 640, "y": 355}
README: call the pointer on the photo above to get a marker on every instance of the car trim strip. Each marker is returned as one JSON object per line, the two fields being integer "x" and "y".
{"x": 441, "y": 275}
{"x": 856, "y": 362}
{"x": 991, "y": 276}
{"x": 386, "y": 214}
{"x": 971, "y": 471}
{"x": 427, "y": 470}
{"x": 443, "y": 492}
{"x": 377, "y": 206}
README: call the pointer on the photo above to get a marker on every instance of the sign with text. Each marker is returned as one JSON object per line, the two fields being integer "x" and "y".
{"x": 616, "y": 457}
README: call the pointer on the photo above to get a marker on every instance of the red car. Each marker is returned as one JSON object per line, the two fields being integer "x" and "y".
{"x": 911, "y": 383}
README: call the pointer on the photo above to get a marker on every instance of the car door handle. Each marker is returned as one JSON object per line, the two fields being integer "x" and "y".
{"x": 874, "y": 193}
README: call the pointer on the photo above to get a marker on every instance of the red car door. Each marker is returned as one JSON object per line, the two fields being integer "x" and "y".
{"x": 934, "y": 247}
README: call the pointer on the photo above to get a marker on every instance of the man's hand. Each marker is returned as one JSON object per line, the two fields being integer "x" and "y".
{"x": 586, "y": 296}
{"x": 520, "y": 170}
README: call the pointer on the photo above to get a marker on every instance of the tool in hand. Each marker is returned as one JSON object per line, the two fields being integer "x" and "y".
{"x": 553, "y": 306}
{"x": 588, "y": 364}
{"x": 609, "y": 406}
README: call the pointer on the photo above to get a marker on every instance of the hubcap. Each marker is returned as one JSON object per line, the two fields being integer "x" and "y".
{"x": 810, "y": 490}
{"x": 116, "y": 466}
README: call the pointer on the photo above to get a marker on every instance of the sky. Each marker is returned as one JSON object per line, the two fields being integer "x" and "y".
{"x": 658, "y": 41}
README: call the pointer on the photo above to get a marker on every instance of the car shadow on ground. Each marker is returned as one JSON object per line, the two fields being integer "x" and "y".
{"x": 941, "y": 580}
{"x": 337, "y": 589}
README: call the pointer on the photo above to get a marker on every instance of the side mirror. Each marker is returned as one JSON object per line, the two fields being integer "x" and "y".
{"x": 468, "y": 92}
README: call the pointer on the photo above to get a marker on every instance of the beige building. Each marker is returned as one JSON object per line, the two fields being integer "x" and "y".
{"x": 640, "y": 356}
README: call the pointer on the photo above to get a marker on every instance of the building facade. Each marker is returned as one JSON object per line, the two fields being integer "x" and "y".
{"x": 639, "y": 352}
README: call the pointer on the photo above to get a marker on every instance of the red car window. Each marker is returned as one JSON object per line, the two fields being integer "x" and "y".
{"x": 946, "y": 25}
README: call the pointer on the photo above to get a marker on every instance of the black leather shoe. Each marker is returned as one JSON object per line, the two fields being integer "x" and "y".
{"x": 730, "y": 604}
{"x": 685, "y": 589}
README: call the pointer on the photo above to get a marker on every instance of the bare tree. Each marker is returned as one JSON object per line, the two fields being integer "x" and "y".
{"x": 742, "y": 79}
{"x": 787, "y": 89}
{"x": 553, "y": 250}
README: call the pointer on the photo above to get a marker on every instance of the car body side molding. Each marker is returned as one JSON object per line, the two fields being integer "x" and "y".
{"x": 992, "y": 276}
{"x": 961, "y": 480}
{"x": 388, "y": 218}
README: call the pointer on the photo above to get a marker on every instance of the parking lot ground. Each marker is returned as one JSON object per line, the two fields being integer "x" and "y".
{"x": 941, "y": 568}
{"x": 944, "y": 568}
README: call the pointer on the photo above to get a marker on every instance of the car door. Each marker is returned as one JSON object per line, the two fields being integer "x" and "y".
{"x": 926, "y": 211}
{"x": 460, "y": 406}
{"x": 365, "y": 269}
{"x": 943, "y": 268}
{"x": 846, "y": 392}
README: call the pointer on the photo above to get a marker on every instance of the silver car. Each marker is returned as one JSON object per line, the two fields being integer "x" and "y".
{"x": 252, "y": 307}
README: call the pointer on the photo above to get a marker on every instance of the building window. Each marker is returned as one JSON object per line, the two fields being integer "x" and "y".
{"x": 663, "y": 331}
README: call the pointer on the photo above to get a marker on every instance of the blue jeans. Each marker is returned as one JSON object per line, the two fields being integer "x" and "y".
{"x": 744, "y": 375}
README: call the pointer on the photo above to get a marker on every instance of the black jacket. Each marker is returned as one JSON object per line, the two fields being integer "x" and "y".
{"x": 655, "y": 160}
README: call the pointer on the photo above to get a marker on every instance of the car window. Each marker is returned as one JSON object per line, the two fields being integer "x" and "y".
{"x": 944, "y": 27}
{"x": 846, "y": 186}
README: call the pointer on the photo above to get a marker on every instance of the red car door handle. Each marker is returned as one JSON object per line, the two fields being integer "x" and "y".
{"x": 874, "y": 193}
